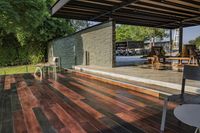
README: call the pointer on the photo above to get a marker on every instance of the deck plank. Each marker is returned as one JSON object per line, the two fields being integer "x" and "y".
{"x": 83, "y": 115}
{"x": 43, "y": 121}
{"x": 18, "y": 121}
{"x": 153, "y": 105}
{"x": 77, "y": 104}
{"x": 71, "y": 123}
{"x": 45, "y": 103}
{"x": 7, "y": 123}
{"x": 28, "y": 102}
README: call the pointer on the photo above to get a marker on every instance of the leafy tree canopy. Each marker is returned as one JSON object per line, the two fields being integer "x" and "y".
{"x": 196, "y": 41}
{"x": 26, "y": 26}
{"x": 21, "y": 14}
{"x": 138, "y": 33}
{"x": 80, "y": 24}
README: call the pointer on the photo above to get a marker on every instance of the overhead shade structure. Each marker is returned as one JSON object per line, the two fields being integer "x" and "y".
{"x": 169, "y": 14}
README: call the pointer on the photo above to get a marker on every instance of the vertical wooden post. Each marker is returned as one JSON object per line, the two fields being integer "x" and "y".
{"x": 114, "y": 43}
{"x": 87, "y": 58}
{"x": 180, "y": 38}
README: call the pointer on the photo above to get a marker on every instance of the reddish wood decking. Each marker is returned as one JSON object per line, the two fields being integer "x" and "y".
{"x": 77, "y": 104}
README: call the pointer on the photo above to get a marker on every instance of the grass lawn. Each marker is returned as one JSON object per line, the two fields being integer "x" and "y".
{"x": 17, "y": 70}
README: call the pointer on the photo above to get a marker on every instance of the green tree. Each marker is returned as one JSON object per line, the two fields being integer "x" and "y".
{"x": 26, "y": 27}
{"x": 21, "y": 14}
{"x": 38, "y": 39}
{"x": 196, "y": 41}
{"x": 138, "y": 33}
{"x": 79, "y": 24}
{"x": 9, "y": 48}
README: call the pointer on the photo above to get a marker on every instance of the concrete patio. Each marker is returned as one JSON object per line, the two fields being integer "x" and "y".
{"x": 143, "y": 75}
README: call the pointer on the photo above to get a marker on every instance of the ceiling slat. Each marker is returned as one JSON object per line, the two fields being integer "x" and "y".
{"x": 173, "y": 6}
{"x": 116, "y": 7}
{"x": 153, "y": 13}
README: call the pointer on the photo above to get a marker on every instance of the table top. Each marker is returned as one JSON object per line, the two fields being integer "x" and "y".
{"x": 188, "y": 114}
{"x": 44, "y": 65}
{"x": 178, "y": 58}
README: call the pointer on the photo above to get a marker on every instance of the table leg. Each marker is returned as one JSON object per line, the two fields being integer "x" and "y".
{"x": 193, "y": 60}
{"x": 40, "y": 71}
{"x": 55, "y": 72}
{"x": 189, "y": 61}
{"x": 164, "y": 114}
{"x": 180, "y": 62}
{"x": 197, "y": 130}
{"x": 48, "y": 69}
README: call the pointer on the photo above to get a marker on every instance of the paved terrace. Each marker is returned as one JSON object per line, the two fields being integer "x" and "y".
{"x": 78, "y": 104}
{"x": 168, "y": 81}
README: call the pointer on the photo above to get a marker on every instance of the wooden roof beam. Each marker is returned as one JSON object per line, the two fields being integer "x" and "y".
{"x": 181, "y": 22}
{"x": 193, "y": 18}
{"x": 58, "y": 5}
{"x": 115, "y": 8}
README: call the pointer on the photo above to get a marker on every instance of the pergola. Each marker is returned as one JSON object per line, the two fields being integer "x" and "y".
{"x": 167, "y": 14}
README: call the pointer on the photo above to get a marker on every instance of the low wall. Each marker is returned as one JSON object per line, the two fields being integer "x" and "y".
{"x": 92, "y": 46}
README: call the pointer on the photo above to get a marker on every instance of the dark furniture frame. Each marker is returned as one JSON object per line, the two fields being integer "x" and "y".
{"x": 190, "y": 73}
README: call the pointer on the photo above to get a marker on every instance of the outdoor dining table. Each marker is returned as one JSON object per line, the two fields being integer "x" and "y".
{"x": 45, "y": 66}
{"x": 189, "y": 114}
{"x": 180, "y": 59}
{"x": 156, "y": 59}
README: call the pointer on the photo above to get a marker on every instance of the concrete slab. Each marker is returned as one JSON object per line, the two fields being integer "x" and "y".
{"x": 158, "y": 79}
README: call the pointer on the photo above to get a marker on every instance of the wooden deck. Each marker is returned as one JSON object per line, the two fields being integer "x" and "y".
{"x": 77, "y": 104}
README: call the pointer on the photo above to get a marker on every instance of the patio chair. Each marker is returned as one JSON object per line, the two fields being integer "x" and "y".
{"x": 41, "y": 68}
{"x": 190, "y": 73}
{"x": 192, "y": 52}
{"x": 196, "y": 57}
{"x": 155, "y": 55}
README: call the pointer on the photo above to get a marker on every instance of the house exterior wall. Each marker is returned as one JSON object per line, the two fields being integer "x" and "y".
{"x": 65, "y": 53}
{"x": 92, "y": 46}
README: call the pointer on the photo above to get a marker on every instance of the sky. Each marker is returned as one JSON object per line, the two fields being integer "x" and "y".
{"x": 190, "y": 33}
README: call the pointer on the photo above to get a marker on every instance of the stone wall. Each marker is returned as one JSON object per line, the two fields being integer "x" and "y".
{"x": 92, "y": 46}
